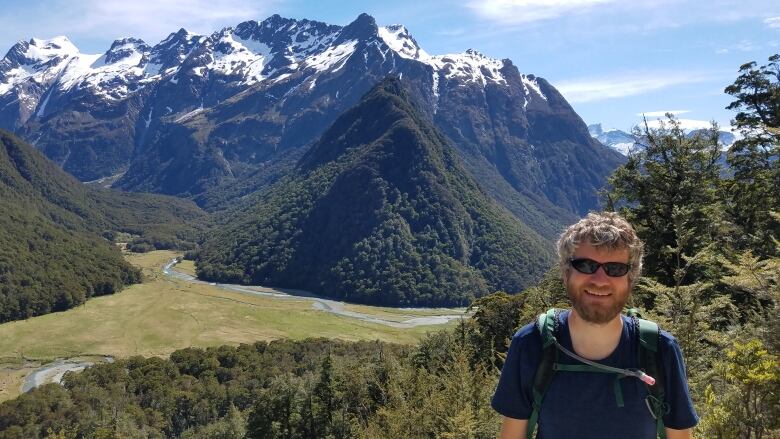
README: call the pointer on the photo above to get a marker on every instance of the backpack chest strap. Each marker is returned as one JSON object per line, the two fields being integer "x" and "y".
{"x": 617, "y": 390}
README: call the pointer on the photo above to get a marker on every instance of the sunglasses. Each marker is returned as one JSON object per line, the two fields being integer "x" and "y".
{"x": 589, "y": 266}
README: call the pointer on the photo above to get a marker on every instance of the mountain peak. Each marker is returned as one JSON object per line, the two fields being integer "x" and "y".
{"x": 174, "y": 49}
{"x": 37, "y": 50}
{"x": 384, "y": 104}
{"x": 124, "y": 48}
{"x": 59, "y": 42}
{"x": 42, "y": 60}
{"x": 362, "y": 28}
{"x": 595, "y": 129}
{"x": 182, "y": 36}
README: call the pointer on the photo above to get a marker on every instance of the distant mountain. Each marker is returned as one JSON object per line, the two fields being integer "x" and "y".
{"x": 618, "y": 140}
{"x": 52, "y": 254}
{"x": 380, "y": 210}
{"x": 219, "y": 116}
{"x": 726, "y": 138}
{"x": 624, "y": 142}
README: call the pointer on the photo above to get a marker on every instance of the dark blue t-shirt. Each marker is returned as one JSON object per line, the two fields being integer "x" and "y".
{"x": 583, "y": 404}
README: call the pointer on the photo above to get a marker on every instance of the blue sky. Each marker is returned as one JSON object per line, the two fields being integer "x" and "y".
{"x": 613, "y": 60}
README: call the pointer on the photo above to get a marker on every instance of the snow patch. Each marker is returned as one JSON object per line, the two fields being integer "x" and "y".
{"x": 399, "y": 40}
{"x": 42, "y": 108}
{"x": 332, "y": 56}
{"x": 282, "y": 77}
{"x": 435, "y": 91}
{"x": 470, "y": 66}
{"x": 189, "y": 115}
{"x": 148, "y": 120}
{"x": 623, "y": 148}
{"x": 152, "y": 69}
{"x": 529, "y": 85}
{"x": 241, "y": 57}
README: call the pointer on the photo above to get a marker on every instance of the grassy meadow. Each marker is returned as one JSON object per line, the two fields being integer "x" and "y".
{"x": 162, "y": 315}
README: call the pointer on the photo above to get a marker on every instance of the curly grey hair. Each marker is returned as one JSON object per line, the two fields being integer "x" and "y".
{"x": 608, "y": 230}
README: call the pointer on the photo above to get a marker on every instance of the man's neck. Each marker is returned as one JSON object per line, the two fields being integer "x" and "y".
{"x": 594, "y": 341}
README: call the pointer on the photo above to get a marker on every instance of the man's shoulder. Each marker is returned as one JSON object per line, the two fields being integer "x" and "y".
{"x": 526, "y": 332}
{"x": 667, "y": 342}
{"x": 666, "y": 337}
{"x": 527, "y": 337}
{"x": 529, "y": 333}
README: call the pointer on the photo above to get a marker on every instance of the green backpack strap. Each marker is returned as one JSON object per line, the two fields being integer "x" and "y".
{"x": 546, "y": 324}
{"x": 649, "y": 361}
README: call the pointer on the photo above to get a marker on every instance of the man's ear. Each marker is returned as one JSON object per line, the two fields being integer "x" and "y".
{"x": 565, "y": 276}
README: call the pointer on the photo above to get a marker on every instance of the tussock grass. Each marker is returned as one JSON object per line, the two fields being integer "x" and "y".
{"x": 162, "y": 315}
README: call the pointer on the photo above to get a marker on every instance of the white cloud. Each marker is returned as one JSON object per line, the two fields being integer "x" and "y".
{"x": 741, "y": 46}
{"x": 591, "y": 90}
{"x": 687, "y": 124}
{"x": 526, "y": 11}
{"x": 662, "y": 113}
{"x": 773, "y": 22}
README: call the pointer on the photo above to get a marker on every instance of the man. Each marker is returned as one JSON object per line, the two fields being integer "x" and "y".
{"x": 601, "y": 260}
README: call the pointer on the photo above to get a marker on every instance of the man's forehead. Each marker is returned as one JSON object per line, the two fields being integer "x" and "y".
{"x": 603, "y": 250}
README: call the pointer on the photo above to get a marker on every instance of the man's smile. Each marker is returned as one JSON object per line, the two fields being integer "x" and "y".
{"x": 598, "y": 293}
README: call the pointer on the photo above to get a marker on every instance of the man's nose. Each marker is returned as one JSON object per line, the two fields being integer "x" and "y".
{"x": 599, "y": 276}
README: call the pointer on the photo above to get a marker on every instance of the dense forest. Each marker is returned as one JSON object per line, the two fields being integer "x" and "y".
{"x": 57, "y": 235}
{"x": 379, "y": 211}
{"x": 712, "y": 278}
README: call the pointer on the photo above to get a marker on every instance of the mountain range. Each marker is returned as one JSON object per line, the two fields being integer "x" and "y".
{"x": 625, "y": 143}
{"x": 248, "y": 122}
{"x": 216, "y": 117}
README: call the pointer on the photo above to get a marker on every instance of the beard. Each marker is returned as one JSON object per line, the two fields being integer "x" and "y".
{"x": 595, "y": 312}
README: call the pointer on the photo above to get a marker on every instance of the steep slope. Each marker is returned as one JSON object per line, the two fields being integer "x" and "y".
{"x": 49, "y": 260}
{"x": 380, "y": 210}
{"x": 52, "y": 254}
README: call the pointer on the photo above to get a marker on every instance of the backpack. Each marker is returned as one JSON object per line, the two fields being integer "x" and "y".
{"x": 649, "y": 367}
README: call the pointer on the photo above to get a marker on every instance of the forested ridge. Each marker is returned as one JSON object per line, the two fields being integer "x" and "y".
{"x": 379, "y": 211}
{"x": 712, "y": 278}
{"x": 56, "y": 246}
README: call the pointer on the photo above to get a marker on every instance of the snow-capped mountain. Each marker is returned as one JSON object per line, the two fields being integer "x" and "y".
{"x": 618, "y": 140}
{"x": 725, "y": 138}
{"x": 624, "y": 142}
{"x": 195, "y": 112}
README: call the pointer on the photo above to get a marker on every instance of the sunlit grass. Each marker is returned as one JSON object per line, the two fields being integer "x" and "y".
{"x": 162, "y": 315}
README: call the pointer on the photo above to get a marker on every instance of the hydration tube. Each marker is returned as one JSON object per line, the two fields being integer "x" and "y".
{"x": 647, "y": 379}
